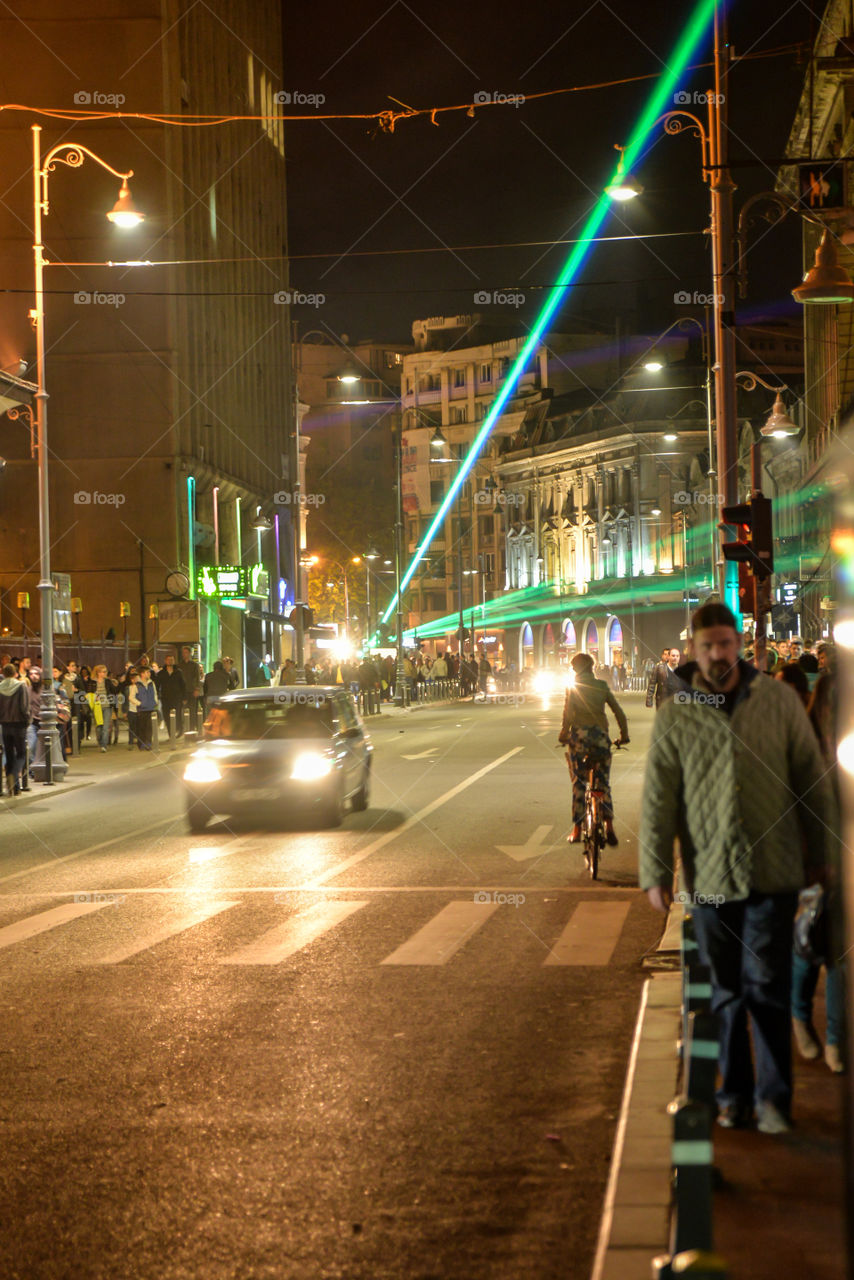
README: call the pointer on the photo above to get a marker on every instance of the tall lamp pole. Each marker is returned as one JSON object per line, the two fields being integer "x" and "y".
{"x": 400, "y": 673}
{"x": 48, "y": 764}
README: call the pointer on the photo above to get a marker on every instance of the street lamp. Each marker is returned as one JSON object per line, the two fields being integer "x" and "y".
{"x": 369, "y": 555}
{"x": 48, "y": 763}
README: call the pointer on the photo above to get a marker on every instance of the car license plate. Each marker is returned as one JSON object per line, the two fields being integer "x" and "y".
{"x": 258, "y": 793}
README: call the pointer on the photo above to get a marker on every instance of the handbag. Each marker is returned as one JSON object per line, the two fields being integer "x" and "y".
{"x": 811, "y": 938}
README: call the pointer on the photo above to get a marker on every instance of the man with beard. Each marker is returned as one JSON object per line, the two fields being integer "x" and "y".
{"x": 664, "y": 681}
{"x": 734, "y": 771}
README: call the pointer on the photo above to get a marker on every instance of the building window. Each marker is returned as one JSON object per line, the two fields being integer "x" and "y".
{"x": 393, "y": 359}
{"x": 437, "y": 492}
{"x": 485, "y": 373}
{"x": 489, "y": 564}
{"x": 459, "y": 413}
{"x": 459, "y": 377}
{"x": 479, "y": 410}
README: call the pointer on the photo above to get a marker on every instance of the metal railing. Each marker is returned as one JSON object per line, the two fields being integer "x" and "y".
{"x": 693, "y": 1116}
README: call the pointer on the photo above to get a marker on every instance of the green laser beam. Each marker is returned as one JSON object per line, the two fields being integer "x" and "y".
{"x": 658, "y": 101}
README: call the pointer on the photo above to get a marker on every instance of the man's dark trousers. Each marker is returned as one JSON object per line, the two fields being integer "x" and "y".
{"x": 748, "y": 946}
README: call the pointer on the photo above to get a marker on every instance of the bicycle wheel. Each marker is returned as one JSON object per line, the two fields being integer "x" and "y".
{"x": 596, "y": 843}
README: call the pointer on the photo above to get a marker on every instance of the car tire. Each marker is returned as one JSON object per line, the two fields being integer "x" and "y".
{"x": 362, "y": 796}
{"x": 332, "y": 810}
{"x": 197, "y": 816}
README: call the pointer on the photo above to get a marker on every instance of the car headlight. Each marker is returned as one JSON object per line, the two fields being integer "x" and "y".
{"x": 202, "y": 770}
{"x": 310, "y": 765}
{"x": 542, "y": 683}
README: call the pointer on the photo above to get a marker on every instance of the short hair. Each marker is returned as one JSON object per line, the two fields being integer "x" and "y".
{"x": 8, "y": 670}
{"x": 712, "y": 614}
{"x": 582, "y": 662}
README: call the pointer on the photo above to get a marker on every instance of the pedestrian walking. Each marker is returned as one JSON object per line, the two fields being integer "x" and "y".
{"x": 102, "y": 692}
{"x": 193, "y": 676}
{"x": 734, "y": 771}
{"x": 143, "y": 695}
{"x": 215, "y": 685}
{"x": 663, "y": 680}
{"x": 14, "y": 721}
{"x": 172, "y": 692}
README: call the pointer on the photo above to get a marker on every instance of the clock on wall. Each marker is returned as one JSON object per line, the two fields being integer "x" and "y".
{"x": 177, "y": 583}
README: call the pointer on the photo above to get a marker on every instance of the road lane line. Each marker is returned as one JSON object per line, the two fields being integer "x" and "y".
{"x": 284, "y": 940}
{"x": 591, "y": 935}
{"x": 385, "y": 839}
{"x": 165, "y": 929}
{"x": 443, "y": 936}
{"x": 51, "y": 919}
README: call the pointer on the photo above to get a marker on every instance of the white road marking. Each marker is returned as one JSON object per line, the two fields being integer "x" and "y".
{"x": 591, "y": 935}
{"x": 166, "y": 929}
{"x": 283, "y": 940}
{"x": 443, "y": 936}
{"x": 34, "y": 925}
{"x": 92, "y": 848}
{"x": 422, "y": 755}
{"x": 532, "y": 846}
{"x": 412, "y": 821}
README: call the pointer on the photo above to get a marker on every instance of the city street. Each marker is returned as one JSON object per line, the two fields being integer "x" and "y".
{"x": 396, "y": 1049}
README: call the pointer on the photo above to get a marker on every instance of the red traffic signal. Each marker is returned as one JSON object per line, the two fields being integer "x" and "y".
{"x": 755, "y": 545}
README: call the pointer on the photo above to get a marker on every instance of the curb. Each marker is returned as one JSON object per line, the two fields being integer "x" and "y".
{"x": 635, "y": 1220}
{"x": 38, "y": 791}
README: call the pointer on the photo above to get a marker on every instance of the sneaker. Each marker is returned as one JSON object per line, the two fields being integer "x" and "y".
{"x": 770, "y": 1119}
{"x": 103, "y": 748}
{"x": 809, "y": 1045}
{"x": 735, "y": 1115}
{"x": 834, "y": 1060}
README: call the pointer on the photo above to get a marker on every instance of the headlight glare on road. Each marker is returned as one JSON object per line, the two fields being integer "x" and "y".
{"x": 309, "y": 766}
{"x": 202, "y": 770}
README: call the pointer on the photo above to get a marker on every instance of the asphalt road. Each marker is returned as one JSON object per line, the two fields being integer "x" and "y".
{"x": 392, "y": 1050}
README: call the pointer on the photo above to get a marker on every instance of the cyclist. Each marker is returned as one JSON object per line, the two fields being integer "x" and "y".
{"x": 584, "y": 733}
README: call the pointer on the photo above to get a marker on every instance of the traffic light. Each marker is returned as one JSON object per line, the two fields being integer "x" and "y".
{"x": 754, "y": 549}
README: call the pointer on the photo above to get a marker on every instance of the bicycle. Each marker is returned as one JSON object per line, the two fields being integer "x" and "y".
{"x": 593, "y": 826}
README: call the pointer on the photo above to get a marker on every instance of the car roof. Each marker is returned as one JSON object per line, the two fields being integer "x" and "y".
{"x": 285, "y": 692}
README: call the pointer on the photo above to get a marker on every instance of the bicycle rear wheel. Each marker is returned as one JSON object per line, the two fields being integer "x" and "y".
{"x": 595, "y": 842}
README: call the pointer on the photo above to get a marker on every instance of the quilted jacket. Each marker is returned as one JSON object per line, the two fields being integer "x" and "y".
{"x": 746, "y": 794}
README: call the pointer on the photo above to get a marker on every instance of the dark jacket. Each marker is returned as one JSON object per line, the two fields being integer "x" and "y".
{"x": 14, "y": 702}
{"x": 216, "y": 683}
{"x": 171, "y": 687}
{"x": 663, "y": 683}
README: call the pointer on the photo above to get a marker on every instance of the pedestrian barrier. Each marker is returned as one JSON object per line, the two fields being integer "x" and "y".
{"x": 693, "y": 1115}
{"x": 414, "y": 692}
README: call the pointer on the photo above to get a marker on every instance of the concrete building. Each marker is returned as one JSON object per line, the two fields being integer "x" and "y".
{"x": 168, "y": 402}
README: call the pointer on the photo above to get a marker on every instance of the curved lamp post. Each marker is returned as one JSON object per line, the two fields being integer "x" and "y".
{"x": 49, "y": 764}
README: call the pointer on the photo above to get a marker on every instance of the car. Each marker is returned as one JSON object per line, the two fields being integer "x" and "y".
{"x": 548, "y": 682}
{"x": 298, "y": 750}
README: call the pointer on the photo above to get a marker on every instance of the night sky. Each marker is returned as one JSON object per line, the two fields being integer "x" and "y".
{"x": 527, "y": 173}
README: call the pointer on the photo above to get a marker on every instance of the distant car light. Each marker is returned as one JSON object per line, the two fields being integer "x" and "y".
{"x": 543, "y": 683}
{"x": 309, "y": 766}
{"x": 202, "y": 770}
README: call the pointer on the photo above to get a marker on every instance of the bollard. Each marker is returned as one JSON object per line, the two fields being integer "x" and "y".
{"x": 75, "y": 735}
{"x": 172, "y": 726}
{"x": 155, "y": 730}
{"x": 701, "y": 1057}
{"x": 25, "y": 773}
{"x": 691, "y": 1159}
{"x": 185, "y": 716}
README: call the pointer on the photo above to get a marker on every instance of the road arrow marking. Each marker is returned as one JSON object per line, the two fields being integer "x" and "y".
{"x": 522, "y": 852}
{"x": 431, "y": 751}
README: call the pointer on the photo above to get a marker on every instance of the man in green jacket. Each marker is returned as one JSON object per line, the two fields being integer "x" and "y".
{"x": 584, "y": 732}
{"x": 734, "y": 772}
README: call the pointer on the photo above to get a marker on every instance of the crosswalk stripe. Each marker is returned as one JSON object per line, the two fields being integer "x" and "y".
{"x": 283, "y": 940}
{"x": 34, "y": 925}
{"x": 164, "y": 929}
{"x": 591, "y": 934}
{"x": 442, "y": 936}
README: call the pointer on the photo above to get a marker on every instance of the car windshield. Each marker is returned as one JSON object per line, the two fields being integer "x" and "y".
{"x": 249, "y": 721}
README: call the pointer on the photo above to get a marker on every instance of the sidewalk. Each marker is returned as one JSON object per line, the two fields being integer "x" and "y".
{"x": 780, "y": 1205}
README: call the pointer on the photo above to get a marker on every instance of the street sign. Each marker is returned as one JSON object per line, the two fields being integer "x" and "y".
{"x": 822, "y": 186}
